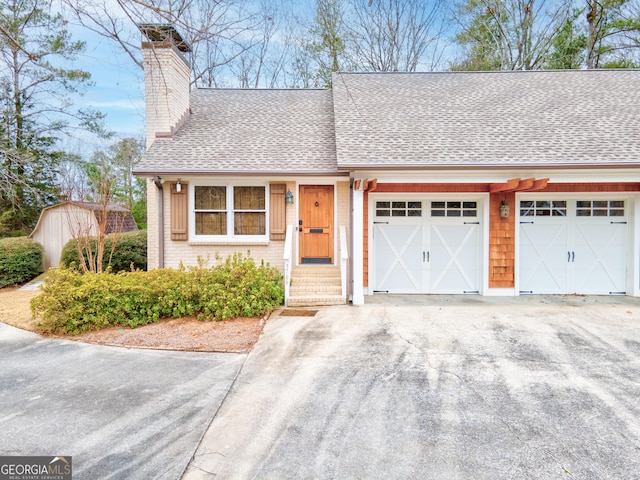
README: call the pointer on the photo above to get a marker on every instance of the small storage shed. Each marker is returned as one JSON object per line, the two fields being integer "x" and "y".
{"x": 60, "y": 223}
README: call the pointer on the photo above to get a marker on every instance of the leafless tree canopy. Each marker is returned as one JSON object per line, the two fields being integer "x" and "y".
{"x": 397, "y": 35}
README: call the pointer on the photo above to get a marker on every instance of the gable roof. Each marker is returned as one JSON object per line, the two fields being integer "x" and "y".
{"x": 495, "y": 119}
{"x": 249, "y": 131}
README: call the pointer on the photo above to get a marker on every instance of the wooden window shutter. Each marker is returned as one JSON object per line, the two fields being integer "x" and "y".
{"x": 179, "y": 212}
{"x": 277, "y": 212}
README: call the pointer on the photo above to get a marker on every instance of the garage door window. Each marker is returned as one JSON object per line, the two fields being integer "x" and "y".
{"x": 543, "y": 208}
{"x": 399, "y": 209}
{"x": 454, "y": 209}
{"x": 600, "y": 208}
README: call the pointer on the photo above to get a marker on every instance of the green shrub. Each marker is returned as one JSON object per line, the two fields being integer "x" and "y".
{"x": 130, "y": 252}
{"x": 20, "y": 260}
{"x": 72, "y": 302}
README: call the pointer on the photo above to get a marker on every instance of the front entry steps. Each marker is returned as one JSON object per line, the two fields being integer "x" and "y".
{"x": 313, "y": 286}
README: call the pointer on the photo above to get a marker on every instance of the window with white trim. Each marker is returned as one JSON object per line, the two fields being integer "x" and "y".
{"x": 226, "y": 212}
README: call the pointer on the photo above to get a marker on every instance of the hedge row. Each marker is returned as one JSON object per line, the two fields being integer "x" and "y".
{"x": 20, "y": 260}
{"x": 129, "y": 253}
{"x": 73, "y": 303}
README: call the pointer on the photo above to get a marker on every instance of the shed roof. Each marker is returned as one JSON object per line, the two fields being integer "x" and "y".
{"x": 494, "y": 119}
{"x": 249, "y": 131}
{"x": 119, "y": 219}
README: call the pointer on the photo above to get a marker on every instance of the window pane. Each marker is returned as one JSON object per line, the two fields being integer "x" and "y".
{"x": 453, "y": 213}
{"x": 248, "y": 198}
{"x": 616, "y": 203}
{"x": 469, "y": 213}
{"x": 543, "y": 213}
{"x": 211, "y": 198}
{"x": 415, "y": 204}
{"x": 600, "y": 213}
{"x": 469, "y": 204}
{"x": 399, "y": 204}
{"x": 453, "y": 204}
{"x": 559, "y": 204}
{"x": 249, "y": 223}
{"x": 583, "y": 213}
{"x": 399, "y": 213}
{"x": 437, "y": 204}
{"x": 383, "y": 213}
{"x": 526, "y": 204}
{"x": 437, "y": 213}
{"x": 584, "y": 204}
{"x": 383, "y": 204}
{"x": 543, "y": 204}
{"x": 616, "y": 213}
{"x": 415, "y": 213}
{"x": 211, "y": 223}
{"x": 600, "y": 204}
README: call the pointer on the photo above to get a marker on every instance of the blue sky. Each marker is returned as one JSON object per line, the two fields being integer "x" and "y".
{"x": 118, "y": 89}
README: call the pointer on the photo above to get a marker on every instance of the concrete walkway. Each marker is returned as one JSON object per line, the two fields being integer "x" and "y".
{"x": 120, "y": 413}
{"x": 446, "y": 388}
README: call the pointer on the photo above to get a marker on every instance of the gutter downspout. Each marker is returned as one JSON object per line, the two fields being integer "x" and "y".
{"x": 158, "y": 181}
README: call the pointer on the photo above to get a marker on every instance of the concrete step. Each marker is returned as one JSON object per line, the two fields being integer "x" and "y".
{"x": 315, "y": 280}
{"x": 315, "y": 285}
{"x": 314, "y": 272}
{"x": 315, "y": 300}
{"x": 297, "y": 289}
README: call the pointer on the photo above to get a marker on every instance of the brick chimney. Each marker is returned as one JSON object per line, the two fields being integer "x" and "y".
{"x": 166, "y": 78}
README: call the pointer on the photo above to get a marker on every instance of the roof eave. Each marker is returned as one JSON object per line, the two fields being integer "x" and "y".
{"x": 486, "y": 166}
{"x": 244, "y": 173}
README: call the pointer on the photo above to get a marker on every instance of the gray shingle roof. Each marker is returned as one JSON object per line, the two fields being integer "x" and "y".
{"x": 533, "y": 118}
{"x": 232, "y": 130}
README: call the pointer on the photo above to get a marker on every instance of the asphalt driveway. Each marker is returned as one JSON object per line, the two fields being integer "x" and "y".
{"x": 120, "y": 413}
{"x": 437, "y": 388}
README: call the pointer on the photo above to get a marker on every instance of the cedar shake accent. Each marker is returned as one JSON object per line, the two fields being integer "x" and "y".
{"x": 502, "y": 237}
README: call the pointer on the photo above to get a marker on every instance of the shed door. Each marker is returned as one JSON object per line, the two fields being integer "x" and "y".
{"x": 573, "y": 246}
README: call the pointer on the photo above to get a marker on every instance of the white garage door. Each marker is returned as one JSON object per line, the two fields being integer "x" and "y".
{"x": 426, "y": 246}
{"x": 573, "y": 246}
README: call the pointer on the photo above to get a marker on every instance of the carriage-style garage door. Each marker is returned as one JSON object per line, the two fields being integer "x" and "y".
{"x": 573, "y": 246}
{"x": 426, "y": 246}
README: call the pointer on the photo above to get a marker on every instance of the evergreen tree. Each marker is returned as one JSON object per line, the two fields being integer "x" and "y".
{"x": 35, "y": 107}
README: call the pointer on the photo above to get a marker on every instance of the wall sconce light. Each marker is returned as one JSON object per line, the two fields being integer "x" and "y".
{"x": 178, "y": 186}
{"x": 289, "y": 198}
{"x": 504, "y": 209}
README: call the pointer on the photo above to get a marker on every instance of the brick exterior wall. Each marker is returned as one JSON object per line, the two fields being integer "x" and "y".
{"x": 177, "y": 252}
{"x": 152, "y": 225}
{"x": 166, "y": 78}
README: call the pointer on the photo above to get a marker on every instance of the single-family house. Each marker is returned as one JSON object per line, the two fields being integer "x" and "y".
{"x": 490, "y": 183}
{"x": 64, "y": 221}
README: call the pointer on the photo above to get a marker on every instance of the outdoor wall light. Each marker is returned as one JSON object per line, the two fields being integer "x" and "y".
{"x": 178, "y": 186}
{"x": 504, "y": 209}
{"x": 289, "y": 198}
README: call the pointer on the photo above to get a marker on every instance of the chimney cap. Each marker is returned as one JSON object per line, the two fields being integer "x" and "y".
{"x": 162, "y": 32}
